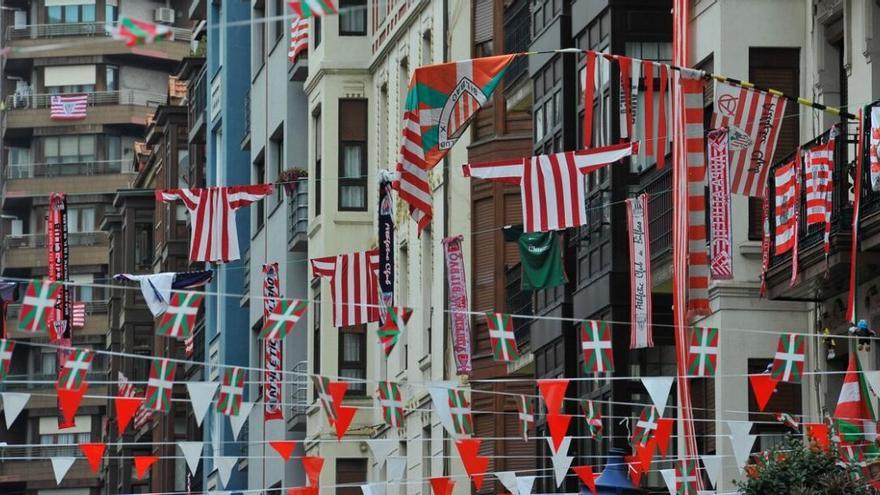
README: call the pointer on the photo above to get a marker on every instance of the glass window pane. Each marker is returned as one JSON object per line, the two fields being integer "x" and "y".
{"x": 54, "y": 14}
{"x": 110, "y": 13}
{"x": 351, "y": 164}
{"x": 352, "y": 196}
{"x": 87, "y": 222}
{"x": 69, "y": 146}
{"x": 113, "y": 145}
{"x": 87, "y": 147}
{"x": 71, "y": 13}
{"x": 88, "y": 13}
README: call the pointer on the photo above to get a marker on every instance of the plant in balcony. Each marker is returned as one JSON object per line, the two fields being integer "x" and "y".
{"x": 290, "y": 178}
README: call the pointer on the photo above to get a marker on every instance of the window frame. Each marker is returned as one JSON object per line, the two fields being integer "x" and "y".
{"x": 361, "y": 6}
{"x": 344, "y": 142}
{"x": 356, "y": 389}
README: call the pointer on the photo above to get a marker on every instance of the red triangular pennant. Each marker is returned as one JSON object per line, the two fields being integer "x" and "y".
{"x": 645, "y": 455}
{"x": 337, "y": 392}
{"x": 475, "y": 465}
{"x": 284, "y": 448}
{"x": 94, "y": 452}
{"x": 303, "y": 490}
{"x": 818, "y": 432}
{"x": 442, "y": 486}
{"x": 125, "y": 409}
{"x": 634, "y": 469}
{"x": 663, "y": 434}
{"x": 553, "y": 392}
{"x": 558, "y": 424}
{"x": 763, "y": 387}
{"x": 69, "y": 401}
{"x": 588, "y": 478}
{"x": 344, "y": 415}
{"x": 142, "y": 463}
{"x": 312, "y": 466}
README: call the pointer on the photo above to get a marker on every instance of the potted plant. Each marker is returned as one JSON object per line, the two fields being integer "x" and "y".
{"x": 290, "y": 178}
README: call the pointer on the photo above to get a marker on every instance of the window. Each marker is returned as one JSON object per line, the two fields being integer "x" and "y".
{"x": 353, "y": 357}
{"x": 54, "y": 14}
{"x": 71, "y": 14}
{"x": 259, "y": 178}
{"x": 110, "y": 11}
{"x": 316, "y": 21}
{"x": 48, "y": 363}
{"x": 350, "y": 474}
{"x": 67, "y": 442}
{"x": 81, "y": 220}
{"x": 661, "y": 52}
{"x": 112, "y": 77}
{"x": 79, "y": 151}
{"x": 276, "y": 146}
{"x": 352, "y": 17}
{"x": 352, "y": 155}
{"x": 316, "y": 117}
{"x": 279, "y": 20}
{"x": 547, "y": 107}
{"x": 112, "y": 148}
{"x": 543, "y": 13}
{"x": 259, "y": 34}
{"x": 143, "y": 246}
{"x": 83, "y": 290}
{"x": 316, "y": 331}
{"x": 484, "y": 26}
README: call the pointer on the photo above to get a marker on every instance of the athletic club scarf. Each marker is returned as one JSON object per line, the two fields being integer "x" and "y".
{"x": 854, "y": 242}
{"x": 231, "y": 391}
{"x": 788, "y": 363}
{"x": 596, "y": 346}
{"x": 386, "y": 247}
{"x": 765, "y": 242}
{"x": 501, "y": 337}
{"x": 37, "y": 306}
{"x": 639, "y": 272}
{"x": 271, "y": 288}
{"x": 6, "y": 348}
{"x": 272, "y": 389}
{"x": 458, "y": 304}
{"x": 179, "y": 319}
{"x": 58, "y": 248}
{"x": 703, "y": 352}
{"x": 721, "y": 267}
{"x": 819, "y": 179}
{"x": 159, "y": 385}
{"x": 874, "y": 146}
{"x": 440, "y": 103}
{"x": 391, "y": 402}
{"x": 589, "y": 84}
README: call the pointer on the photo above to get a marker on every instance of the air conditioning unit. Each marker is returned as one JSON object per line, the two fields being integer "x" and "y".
{"x": 164, "y": 14}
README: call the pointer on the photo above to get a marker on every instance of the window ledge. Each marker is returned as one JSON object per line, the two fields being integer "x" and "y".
{"x": 425, "y": 362}
{"x": 750, "y": 249}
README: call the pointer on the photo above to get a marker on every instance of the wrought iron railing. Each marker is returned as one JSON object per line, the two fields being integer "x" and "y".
{"x": 21, "y": 101}
{"x": 300, "y": 391}
{"x": 57, "y": 30}
{"x": 91, "y": 167}
{"x": 75, "y": 239}
{"x": 659, "y": 189}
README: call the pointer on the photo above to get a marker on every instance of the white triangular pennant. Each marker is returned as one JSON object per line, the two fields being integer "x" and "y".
{"x": 13, "y": 404}
{"x": 60, "y": 465}
{"x": 712, "y": 463}
{"x": 381, "y": 449}
{"x": 873, "y": 379}
{"x": 373, "y": 489}
{"x": 742, "y": 448}
{"x": 396, "y": 468}
{"x": 524, "y": 484}
{"x": 669, "y": 478}
{"x": 192, "y": 452}
{"x": 561, "y": 460}
{"x": 739, "y": 428}
{"x": 440, "y": 397}
{"x": 508, "y": 479}
{"x": 224, "y": 467}
{"x": 201, "y": 395}
{"x": 658, "y": 388}
{"x": 238, "y": 421}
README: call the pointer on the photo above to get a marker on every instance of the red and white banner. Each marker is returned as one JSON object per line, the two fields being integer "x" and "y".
{"x": 458, "y": 304}
{"x": 641, "y": 335}
{"x": 271, "y": 291}
{"x": 273, "y": 388}
{"x": 721, "y": 244}
{"x": 765, "y": 242}
{"x": 875, "y": 144}
{"x": 68, "y": 107}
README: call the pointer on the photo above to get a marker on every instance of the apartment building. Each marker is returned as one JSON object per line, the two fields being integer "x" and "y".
{"x": 359, "y": 67}
{"x": 62, "y": 48}
{"x": 276, "y": 139}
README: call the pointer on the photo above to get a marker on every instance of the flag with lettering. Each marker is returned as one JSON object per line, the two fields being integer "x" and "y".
{"x": 391, "y": 401}
{"x": 73, "y": 372}
{"x": 231, "y": 391}
{"x": 159, "y": 385}
{"x": 282, "y": 319}
{"x": 641, "y": 335}
{"x": 180, "y": 318}
{"x": 502, "y": 337}
{"x": 758, "y": 115}
{"x": 596, "y": 346}
{"x": 703, "y": 352}
{"x": 38, "y": 306}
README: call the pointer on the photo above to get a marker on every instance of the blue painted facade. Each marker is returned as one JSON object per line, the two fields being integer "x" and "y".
{"x": 228, "y": 57}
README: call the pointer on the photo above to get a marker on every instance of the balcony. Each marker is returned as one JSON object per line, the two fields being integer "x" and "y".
{"x": 29, "y": 251}
{"x": 816, "y": 279}
{"x": 658, "y": 186}
{"x": 298, "y": 211}
{"x": 104, "y": 107}
{"x": 52, "y": 37}
{"x": 197, "y": 101}
{"x": 16, "y": 466}
{"x": 517, "y": 37}
{"x": 96, "y": 325}
{"x": 299, "y": 397}
{"x": 82, "y": 177}
{"x": 519, "y": 302}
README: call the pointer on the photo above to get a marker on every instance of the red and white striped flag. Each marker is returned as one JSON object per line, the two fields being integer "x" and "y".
{"x": 758, "y": 115}
{"x": 68, "y": 107}
{"x": 299, "y": 37}
{"x": 820, "y": 186}
{"x": 785, "y": 184}
{"x": 78, "y": 319}
{"x": 353, "y": 284}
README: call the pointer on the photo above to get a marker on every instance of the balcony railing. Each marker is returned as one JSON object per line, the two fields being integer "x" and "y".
{"x": 36, "y": 170}
{"x": 92, "y": 308}
{"x": 659, "y": 192}
{"x": 58, "y": 30}
{"x": 197, "y": 99}
{"x": 300, "y": 391}
{"x": 299, "y": 212}
{"x": 841, "y": 210}
{"x": 519, "y": 302}
{"x": 127, "y": 97}
{"x": 75, "y": 239}
{"x": 517, "y": 36}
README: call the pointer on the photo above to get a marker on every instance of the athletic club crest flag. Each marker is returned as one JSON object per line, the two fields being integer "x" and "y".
{"x": 159, "y": 385}
{"x": 231, "y": 392}
{"x": 596, "y": 346}
{"x": 180, "y": 318}
{"x": 441, "y": 101}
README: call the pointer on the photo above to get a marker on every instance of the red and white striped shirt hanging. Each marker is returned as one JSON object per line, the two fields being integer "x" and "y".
{"x": 353, "y": 285}
{"x": 785, "y": 185}
{"x": 552, "y": 186}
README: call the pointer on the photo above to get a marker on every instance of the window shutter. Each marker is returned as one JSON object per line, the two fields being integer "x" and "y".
{"x": 483, "y": 21}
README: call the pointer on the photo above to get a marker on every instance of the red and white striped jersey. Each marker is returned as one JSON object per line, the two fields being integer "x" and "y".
{"x": 214, "y": 236}
{"x": 354, "y": 286}
{"x": 818, "y": 166}
{"x": 78, "y": 315}
{"x": 785, "y": 184}
{"x": 299, "y": 37}
{"x": 552, "y": 186}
